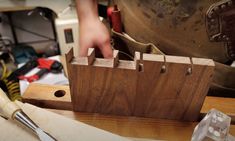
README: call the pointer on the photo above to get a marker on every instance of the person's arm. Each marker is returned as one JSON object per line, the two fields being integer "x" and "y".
{"x": 92, "y": 32}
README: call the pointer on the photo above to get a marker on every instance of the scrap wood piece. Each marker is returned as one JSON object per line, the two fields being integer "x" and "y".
{"x": 48, "y": 96}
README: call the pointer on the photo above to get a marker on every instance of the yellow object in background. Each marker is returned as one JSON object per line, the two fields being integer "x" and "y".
{"x": 13, "y": 89}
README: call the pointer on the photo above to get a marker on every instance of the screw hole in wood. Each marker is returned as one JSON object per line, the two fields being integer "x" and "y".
{"x": 59, "y": 93}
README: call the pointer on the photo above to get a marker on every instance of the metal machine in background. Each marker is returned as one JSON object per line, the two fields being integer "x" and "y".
{"x": 63, "y": 17}
{"x": 65, "y": 22}
{"x": 67, "y": 30}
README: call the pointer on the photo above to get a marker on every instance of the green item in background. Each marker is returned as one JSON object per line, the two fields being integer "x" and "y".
{"x": 22, "y": 53}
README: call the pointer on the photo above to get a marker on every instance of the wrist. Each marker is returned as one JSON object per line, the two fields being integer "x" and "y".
{"x": 87, "y": 10}
{"x": 89, "y": 18}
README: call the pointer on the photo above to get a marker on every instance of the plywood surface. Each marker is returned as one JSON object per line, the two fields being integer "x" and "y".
{"x": 158, "y": 86}
{"x": 63, "y": 129}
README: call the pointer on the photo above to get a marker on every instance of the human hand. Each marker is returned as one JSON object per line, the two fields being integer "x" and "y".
{"x": 92, "y": 34}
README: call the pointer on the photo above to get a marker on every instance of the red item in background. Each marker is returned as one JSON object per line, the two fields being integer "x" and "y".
{"x": 45, "y": 63}
{"x": 109, "y": 14}
{"x": 116, "y": 19}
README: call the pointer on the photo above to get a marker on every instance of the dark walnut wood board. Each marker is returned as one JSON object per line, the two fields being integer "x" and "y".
{"x": 159, "y": 86}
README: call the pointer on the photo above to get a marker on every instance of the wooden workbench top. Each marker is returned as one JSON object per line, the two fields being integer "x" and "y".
{"x": 43, "y": 95}
{"x": 157, "y": 129}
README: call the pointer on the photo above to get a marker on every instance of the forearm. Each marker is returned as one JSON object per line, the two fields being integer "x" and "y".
{"x": 87, "y": 9}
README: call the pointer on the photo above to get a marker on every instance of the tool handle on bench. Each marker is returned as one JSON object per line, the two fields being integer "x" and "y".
{"x": 7, "y": 107}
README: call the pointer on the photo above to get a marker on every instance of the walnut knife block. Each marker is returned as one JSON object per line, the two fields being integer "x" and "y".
{"x": 157, "y": 86}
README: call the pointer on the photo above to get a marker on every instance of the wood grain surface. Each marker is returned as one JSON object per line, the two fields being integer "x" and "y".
{"x": 102, "y": 89}
{"x": 225, "y": 105}
{"x": 137, "y": 127}
{"x": 43, "y": 95}
{"x": 140, "y": 87}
